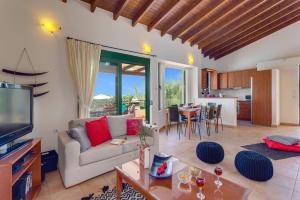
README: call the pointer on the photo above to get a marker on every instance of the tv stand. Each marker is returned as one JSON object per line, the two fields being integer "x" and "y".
{"x": 33, "y": 164}
{"x": 14, "y": 147}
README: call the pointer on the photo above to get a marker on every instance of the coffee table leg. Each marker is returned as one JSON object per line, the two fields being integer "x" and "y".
{"x": 119, "y": 186}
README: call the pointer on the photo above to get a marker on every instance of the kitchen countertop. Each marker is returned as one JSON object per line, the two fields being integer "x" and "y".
{"x": 217, "y": 97}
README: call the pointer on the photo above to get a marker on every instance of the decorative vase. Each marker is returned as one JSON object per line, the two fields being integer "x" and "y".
{"x": 144, "y": 156}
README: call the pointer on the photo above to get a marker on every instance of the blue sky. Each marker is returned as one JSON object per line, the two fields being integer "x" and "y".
{"x": 105, "y": 82}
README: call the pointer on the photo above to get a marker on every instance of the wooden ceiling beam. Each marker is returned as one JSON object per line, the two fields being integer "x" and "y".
{"x": 211, "y": 5}
{"x": 215, "y": 15}
{"x": 119, "y": 8}
{"x": 162, "y": 15}
{"x": 142, "y": 12}
{"x": 255, "y": 29}
{"x": 178, "y": 18}
{"x": 94, "y": 4}
{"x": 65, "y": 1}
{"x": 244, "y": 7}
{"x": 252, "y": 39}
{"x": 239, "y": 25}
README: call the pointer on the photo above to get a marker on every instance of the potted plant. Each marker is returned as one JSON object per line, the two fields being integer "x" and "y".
{"x": 144, "y": 147}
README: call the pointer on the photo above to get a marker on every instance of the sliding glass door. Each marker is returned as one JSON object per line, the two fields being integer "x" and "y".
{"x": 122, "y": 86}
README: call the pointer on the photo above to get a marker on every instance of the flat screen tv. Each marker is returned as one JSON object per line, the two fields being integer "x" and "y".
{"x": 16, "y": 111}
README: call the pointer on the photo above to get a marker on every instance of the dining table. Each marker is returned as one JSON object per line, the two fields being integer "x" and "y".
{"x": 188, "y": 112}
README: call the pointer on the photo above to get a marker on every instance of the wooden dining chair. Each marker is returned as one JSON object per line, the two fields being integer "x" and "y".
{"x": 210, "y": 117}
{"x": 174, "y": 116}
{"x": 218, "y": 116}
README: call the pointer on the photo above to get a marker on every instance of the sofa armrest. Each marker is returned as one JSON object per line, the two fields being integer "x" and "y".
{"x": 68, "y": 151}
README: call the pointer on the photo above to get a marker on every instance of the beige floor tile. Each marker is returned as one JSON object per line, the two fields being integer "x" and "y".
{"x": 282, "y": 186}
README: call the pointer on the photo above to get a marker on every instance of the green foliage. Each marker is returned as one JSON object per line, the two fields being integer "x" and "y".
{"x": 173, "y": 93}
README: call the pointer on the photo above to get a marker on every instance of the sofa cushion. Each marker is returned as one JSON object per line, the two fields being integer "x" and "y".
{"x": 101, "y": 152}
{"x": 284, "y": 139}
{"x": 132, "y": 142}
{"x": 117, "y": 125}
{"x": 98, "y": 131}
{"x": 80, "y": 122}
{"x": 134, "y": 126}
{"x": 79, "y": 134}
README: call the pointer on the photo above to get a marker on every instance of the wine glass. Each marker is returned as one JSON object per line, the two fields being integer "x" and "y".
{"x": 218, "y": 172}
{"x": 200, "y": 183}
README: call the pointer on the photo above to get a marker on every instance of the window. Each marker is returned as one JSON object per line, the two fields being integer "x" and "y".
{"x": 171, "y": 86}
{"x": 122, "y": 86}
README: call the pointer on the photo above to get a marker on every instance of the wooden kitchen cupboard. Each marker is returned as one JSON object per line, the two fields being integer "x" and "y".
{"x": 262, "y": 98}
{"x": 235, "y": 79}
{"x": 223, "y": 80}
{"x": 205, "y": 73}
{"x": 246, "y": 77}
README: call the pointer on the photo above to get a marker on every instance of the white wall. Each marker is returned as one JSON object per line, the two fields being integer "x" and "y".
{"x": 19, "y": 22}
{"x": 289, "y": 87}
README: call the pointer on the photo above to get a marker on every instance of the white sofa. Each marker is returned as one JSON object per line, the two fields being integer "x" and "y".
{"x": 76, "y": 167}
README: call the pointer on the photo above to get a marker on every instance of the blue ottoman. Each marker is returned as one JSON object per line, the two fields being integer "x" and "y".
{"x": 210, "y": 152}
{"x": 254, "y": 165}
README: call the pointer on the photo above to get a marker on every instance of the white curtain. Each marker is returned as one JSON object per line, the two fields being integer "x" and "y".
{"x": 84, "y": 61}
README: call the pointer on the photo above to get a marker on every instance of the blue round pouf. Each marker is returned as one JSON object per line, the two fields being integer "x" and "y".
{"x": 254, "y": 165}
{"x": 210, "y": 152}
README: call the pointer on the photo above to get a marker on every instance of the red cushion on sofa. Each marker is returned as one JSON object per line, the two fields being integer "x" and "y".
{"x": 98, "y": 131}
{"x": 276, "y": 145}
{"x": 134, "y": 126}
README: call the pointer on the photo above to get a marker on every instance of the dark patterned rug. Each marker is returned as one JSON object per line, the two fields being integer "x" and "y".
{"x": 110, "y": 194}
{"x": 274, "y": 154}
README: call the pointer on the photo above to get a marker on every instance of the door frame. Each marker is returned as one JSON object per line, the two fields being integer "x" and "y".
{"x": 118, "y": 59}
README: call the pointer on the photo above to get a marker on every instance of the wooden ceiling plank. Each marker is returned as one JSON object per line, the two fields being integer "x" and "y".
{"x": 277, "y": 27}
{"x": 127, "y": 67}
{"x": 94, "y": 5}
{"x": 215, "y": 15}
{"x": 227, "y": 31}
{"x": 119, "y": 8}
{"x": 181, "y": 16}
{"x": 186, "y": 27}
{"x": 258, "y": 27}
{"x": 163, "y": 14}
{"x": 142, "y": 12}
{"x": 228, "y": 18}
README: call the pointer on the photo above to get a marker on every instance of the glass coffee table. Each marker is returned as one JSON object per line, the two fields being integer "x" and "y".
{"x": 151, "y": 188}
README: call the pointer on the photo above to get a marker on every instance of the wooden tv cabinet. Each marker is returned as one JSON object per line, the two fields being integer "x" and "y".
{"x": 33, "y": 164}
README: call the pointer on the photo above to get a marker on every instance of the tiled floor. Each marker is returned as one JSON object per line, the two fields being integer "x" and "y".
{"x": 284, "y": 185}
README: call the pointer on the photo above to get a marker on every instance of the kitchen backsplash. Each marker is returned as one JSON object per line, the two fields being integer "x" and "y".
{"x": 239, "y": 93}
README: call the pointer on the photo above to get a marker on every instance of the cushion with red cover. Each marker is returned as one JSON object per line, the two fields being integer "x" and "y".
{"x": 276, "y": 145}
{"x": 98, "y": 131}
{"x": 134, "y": 126}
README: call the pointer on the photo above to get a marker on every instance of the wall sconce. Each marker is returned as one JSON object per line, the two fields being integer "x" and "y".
{"x": 50, "y": 26}
{"x": 147, "y": 48}
{"x": 191, "y": 59}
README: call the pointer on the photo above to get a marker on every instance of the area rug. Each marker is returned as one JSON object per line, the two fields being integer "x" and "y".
{"x": 263, "y": 149}
{"x": 128, "y": 194}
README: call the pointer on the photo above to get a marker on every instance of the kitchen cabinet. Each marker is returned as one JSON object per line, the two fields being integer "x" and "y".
{"x": 204, "y": 78}
{"x": 234, "y": 79}
{"x": 244, "y": 110}
{"x": 262, "y": 98}
{"x": 214, "y": 80}
{"x": 209, "y": 75}
{"x": 246, "y": 77}
{"x": 223, "y": 80}
{"x": 240, "y": 79}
